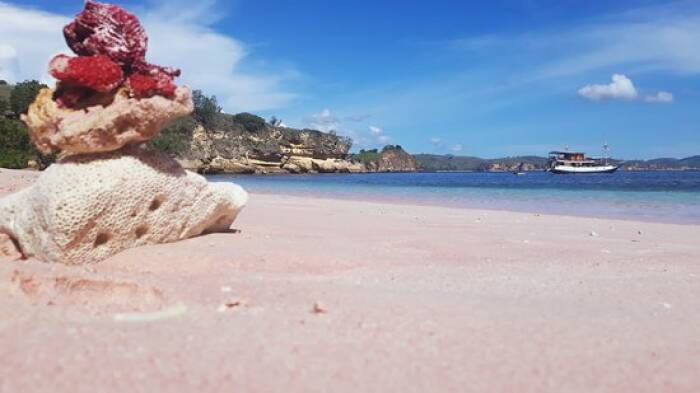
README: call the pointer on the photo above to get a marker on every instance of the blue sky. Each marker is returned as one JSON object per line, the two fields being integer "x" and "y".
{"x": 466, "y": 78}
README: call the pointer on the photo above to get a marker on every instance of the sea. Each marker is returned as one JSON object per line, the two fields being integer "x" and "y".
{"x": 672, "y": 197}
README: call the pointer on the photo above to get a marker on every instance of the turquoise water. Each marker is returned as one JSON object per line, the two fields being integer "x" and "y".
{"x": 650, "y": 196}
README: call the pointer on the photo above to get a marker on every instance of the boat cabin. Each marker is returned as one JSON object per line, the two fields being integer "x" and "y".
{"x": 570, "y": 158}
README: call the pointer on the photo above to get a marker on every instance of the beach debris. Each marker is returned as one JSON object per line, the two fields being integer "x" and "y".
{"x": 318, "y": 308}
{"x": 231, "y": 304}
{"x": 166, "y": 313}
{"x": 226, "y": 289}
{"x": 593, "y": 234}
{"x": 107, "y": 192}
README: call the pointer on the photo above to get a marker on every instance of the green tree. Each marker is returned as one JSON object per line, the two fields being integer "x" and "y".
{"x": 206, "y": 108}
{"x": 249, "y": 121}
{"x": 368, "y": 156}
{"x": 4, "y": 107}
{"x": 174, "y": 140}
{"x": 24, "y": 94}
{"x": 275, "y": 122}
{"x": 15, "y": 147}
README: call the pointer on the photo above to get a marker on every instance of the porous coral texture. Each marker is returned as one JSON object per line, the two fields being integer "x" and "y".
{"x": 86, "y": 208}
{"x": 155, "y": 82}
{"x": 106, "y": 29}
{"x": 102, "y": 128}
{"x": 98, "y": 73}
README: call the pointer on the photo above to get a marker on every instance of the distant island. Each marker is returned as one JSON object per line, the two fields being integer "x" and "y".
{"x": 443, "y": 163}
{"x": 210, "y": 141}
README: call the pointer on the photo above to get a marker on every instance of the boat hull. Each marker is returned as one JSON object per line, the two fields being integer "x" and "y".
{"x": 572, "y": 170}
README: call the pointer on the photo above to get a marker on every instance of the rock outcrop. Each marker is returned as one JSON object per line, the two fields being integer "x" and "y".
{"x": 390, "y": 159}
{"x": 229, "y": 147}
{"x": 395, "y": 159}
{"x": 232, "y": 146}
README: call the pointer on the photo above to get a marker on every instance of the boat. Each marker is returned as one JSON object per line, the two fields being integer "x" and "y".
{"x": 520, "y": 171}
{"x": 568, "y": 162}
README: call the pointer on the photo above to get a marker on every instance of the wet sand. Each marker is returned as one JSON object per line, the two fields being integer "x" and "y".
{"x": 313, "y": 294}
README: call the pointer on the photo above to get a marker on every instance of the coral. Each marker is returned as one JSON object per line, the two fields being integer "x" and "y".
{"x": 106, "y": 29}
{"x": 97, "y": 72}
{"x": 148, "y": 85}
{"x": 86, "y": 208}
{"x": 107, "y": 193}
{"x": 101, "y": 128}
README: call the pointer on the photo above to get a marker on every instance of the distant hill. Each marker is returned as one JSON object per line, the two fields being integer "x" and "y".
{"x": 657, "y": 164}
{"x": 441, "y": 163}
{"x": 434, "y": 163}
{"x": 693, "y": 161}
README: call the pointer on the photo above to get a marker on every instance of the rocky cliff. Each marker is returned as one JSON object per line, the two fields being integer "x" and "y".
{"x": 390, "y": 159}
{"x": 245, "y": 143}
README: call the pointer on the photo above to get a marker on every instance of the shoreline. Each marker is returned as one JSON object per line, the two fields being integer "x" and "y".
{"x": 638, "y": 198}
{"x": 479, "y": 209}
{"x": 332, "y": 295}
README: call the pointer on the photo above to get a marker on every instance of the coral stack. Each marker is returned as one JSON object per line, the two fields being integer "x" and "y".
{"x": 107, "y": 192}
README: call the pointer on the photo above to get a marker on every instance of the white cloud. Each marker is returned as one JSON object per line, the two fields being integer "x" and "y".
{"x": 378, "y": 135}
{"x": 662, "y": 97}
{"x": 28, "y": 40}
{"x": 358, "y": 118}
{"x": 209, "y": 60}
{"x": 655, "y": 38}
{"x": 457, "y": 148}
{"x": 436, "y": 141}
{"x": 621, "y": 87}
{"x": 324, "y": 121}
{"x": 375, "y": 131}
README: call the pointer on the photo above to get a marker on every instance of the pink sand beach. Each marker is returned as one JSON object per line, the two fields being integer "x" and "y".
{"x": 314, "y": 295}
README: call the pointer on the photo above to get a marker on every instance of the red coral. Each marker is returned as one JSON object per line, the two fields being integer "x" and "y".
{"x": 146, "y": 68}
{"x": 157, "y": 82}
{"x": 98, "y": 73}
{"x": 106, "y": 29}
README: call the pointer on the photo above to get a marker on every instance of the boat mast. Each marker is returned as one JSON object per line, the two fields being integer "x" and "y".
{"x": 605, "y": 153}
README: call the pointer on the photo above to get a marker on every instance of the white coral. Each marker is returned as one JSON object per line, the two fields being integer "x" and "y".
{"x": 86, "y": 208}
{"x": 102, "y": 127}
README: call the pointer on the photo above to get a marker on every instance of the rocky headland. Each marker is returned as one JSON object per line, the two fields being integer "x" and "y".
{"x": 247, "y": 144}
